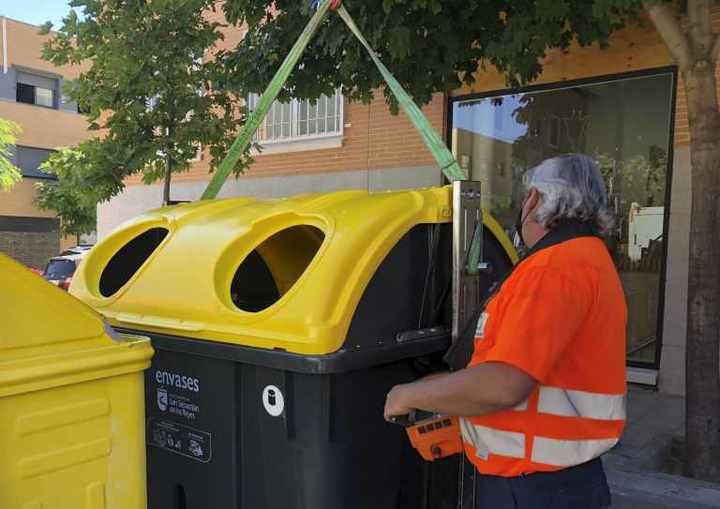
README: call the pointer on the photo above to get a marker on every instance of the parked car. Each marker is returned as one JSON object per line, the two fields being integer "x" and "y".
{"x": 79, "y": 249}
{"x": 60, "y": 269}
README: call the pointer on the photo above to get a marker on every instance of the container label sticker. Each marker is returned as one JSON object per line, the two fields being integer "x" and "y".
{"x": 176, "y": 404}
{"x": 180, "y": 439}
{"x": 273, "y": 401}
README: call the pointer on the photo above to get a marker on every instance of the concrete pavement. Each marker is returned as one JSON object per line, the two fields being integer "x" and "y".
{"x": 637, "y": 467}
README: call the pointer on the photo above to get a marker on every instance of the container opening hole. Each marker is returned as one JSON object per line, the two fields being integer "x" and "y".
{"x": 273, "y": 267}
{"x": 128, "y": 260}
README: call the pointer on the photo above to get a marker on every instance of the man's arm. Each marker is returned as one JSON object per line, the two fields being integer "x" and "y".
{"x": 477, "y": 390}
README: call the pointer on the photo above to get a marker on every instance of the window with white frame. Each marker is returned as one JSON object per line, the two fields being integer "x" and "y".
{"x": 300, "y": 119}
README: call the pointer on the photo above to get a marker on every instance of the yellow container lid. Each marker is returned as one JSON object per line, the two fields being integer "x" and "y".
{"x": 49, "y": 338}
{"x": 275, "y": 274}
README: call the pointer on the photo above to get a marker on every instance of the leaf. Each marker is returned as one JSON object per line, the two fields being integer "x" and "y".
{"x": 400, "y": 42}
{"x": 429, "y": 45}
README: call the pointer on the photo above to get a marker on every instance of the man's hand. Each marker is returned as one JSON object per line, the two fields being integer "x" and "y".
{"x": 397, "y": 401}
{"x": 478, "y": 390}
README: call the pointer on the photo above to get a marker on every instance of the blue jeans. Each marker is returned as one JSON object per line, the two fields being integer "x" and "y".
{"x": 580, "y": 487}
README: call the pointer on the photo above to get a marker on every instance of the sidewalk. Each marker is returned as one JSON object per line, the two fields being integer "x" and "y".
{"x": 635, "y": 466}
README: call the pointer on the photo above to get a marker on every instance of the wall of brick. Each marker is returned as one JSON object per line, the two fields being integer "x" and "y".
{"x": 19, "y": 202}
{"x": 31, "y": 249}
{"x": 30, "y": 240}
{"x": 24, "y": 48}
{"x": 632, "y": 49}
{"x": 373, "y": 139}
{"x": 43, "y": 127}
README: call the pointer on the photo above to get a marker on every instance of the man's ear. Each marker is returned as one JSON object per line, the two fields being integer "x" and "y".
{"x": 533, "y": 200}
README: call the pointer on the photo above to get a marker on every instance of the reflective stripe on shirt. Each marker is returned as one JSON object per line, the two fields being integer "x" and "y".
{"x": 492, "y": 441}
{"x": 567, "y": 453}
{"x": 589, "y": 405}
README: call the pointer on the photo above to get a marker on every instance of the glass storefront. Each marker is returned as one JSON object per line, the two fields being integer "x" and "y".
{"x": 626, "y": 125}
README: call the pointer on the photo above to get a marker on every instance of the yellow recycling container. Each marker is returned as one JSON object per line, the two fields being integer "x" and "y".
{"x": 71, "y": 402}
{"x": 279, "y": 274}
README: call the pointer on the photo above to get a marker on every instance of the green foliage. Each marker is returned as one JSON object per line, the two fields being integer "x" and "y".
{"x": 73, "y": 197}
{"x": 148, "y": 83}
{"x": 430, "y": 45}
{"x": 9, "y": 173}
{"x": 637, "y": 179}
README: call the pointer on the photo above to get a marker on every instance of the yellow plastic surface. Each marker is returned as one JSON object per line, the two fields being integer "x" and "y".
{"x": 71, "y": 402}
{"x": 183, "y": 288}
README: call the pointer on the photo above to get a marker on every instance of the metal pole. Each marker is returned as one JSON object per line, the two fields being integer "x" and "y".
{"x": 4, "y": 44}
{"x": 467, "y": 233}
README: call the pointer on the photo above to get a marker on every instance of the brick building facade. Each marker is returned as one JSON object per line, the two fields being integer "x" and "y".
{"x": 31, "y": 96}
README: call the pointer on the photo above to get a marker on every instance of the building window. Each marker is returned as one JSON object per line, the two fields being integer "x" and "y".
{"x": 25, "y": 93}
{"x": 29, "y": 159}
{"x": 38, "y": 96}
{"x": 300, "y": 119}
{"x": 35, "y": 89}
{"x": 625, "y": 124}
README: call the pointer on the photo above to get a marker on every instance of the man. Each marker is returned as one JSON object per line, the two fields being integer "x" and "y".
{"x": 543, "y": 396}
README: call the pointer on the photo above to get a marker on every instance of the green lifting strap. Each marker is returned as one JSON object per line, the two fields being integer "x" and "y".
{"x": 444, "y": 158}
{"x": 243, "y": 141}
{"x": 439, "y": 150}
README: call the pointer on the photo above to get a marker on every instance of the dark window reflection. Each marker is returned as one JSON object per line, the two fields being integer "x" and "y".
{"x": 625, "y": 125}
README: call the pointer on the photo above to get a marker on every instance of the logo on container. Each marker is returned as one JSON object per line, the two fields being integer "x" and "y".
{"x": 162, "y": 399}
{"x": 273, "y": 401}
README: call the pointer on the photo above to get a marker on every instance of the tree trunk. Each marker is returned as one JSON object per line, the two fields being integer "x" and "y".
{"x": 168, "y": 177}
{"x": 702, "y": 363}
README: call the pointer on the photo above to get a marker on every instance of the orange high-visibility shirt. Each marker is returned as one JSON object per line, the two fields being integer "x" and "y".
{"x": 560, "y": 317}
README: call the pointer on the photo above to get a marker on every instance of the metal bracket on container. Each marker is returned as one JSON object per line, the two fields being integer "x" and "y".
{"x": 467, "y": 227}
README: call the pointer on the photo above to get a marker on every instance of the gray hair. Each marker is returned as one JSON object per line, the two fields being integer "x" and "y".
{"x": 572, "y": 188}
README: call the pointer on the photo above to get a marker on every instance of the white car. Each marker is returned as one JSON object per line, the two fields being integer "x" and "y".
{"x": 60, "y": 269}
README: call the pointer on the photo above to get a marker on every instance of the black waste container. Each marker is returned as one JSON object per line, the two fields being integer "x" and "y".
{"x": 279, "y": 327}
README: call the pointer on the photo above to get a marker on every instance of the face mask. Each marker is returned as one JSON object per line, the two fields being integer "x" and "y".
{"x": 518, "y": 240}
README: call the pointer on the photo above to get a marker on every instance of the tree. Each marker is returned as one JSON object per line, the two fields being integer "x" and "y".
{"x": 72, "y": 197}
{"x": 434, "y": 46}
{"x": 430, "y": 45}
{"x": 149, "y": 82}
{"x": 687, "y": 32}
{"x": 9, "y": 173}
